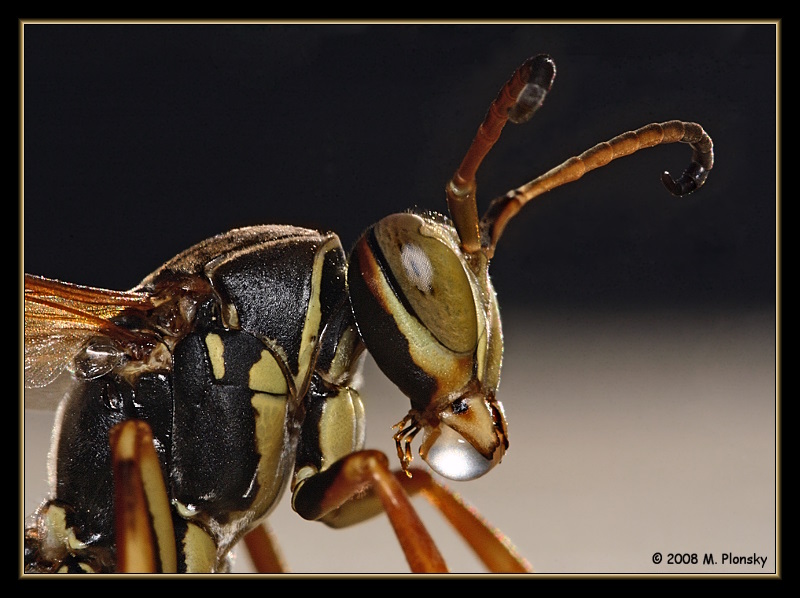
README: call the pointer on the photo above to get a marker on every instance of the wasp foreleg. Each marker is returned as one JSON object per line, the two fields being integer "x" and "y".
{"x": 144, "y": 532}
{"x": 361, "y": 486}
{"x": 263, "y": 550}
{"x": 334, "y": 497}
{"x": 491, "y": 545}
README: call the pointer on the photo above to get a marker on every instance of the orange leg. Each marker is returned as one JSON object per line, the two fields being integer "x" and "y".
{"x": 361, "y": 485}
{"x": 355, "y": 488}
{"x": 263, "y": 550}
{"x": 143, "y": 520}
{"x": 335, "y": 494}
{"x": 492, "y": 546}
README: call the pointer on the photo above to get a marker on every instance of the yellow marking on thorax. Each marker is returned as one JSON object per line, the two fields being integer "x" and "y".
{"x": 271, "y": 438}
{"x": 199, "y": 550}
{"x": 309, "y": 340}
{"x": 452, "y": 370}
{"x": 215, "y": 350}
{"x": 267, "y": 376}
{"x": 341, "y": 428}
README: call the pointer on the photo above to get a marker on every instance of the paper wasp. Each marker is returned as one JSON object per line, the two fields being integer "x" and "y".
{"x": 230, "y": 373}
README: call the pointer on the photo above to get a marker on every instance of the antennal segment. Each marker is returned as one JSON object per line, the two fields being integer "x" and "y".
{"x": 504, "y": 208}
{"x": 517, "y": 101}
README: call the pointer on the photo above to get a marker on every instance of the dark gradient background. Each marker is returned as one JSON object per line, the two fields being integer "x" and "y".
{"x": 640, "y": 365}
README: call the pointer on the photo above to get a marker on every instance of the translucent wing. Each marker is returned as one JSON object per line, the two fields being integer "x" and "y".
{"x": 61, "y": 317}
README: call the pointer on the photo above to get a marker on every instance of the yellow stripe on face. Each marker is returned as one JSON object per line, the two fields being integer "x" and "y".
{"x": 451, "y": 370}
{"x": 215, "y": 350}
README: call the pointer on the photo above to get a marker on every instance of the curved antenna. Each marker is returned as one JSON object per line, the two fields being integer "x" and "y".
{"x": 519, "y": 98}
{"x": 502, "y": 209}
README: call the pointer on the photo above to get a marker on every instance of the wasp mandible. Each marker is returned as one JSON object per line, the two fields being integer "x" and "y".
{"x": 229, "y": 374}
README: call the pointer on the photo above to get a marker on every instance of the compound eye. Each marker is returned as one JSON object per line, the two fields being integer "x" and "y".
{"x": 431, "y": 278}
